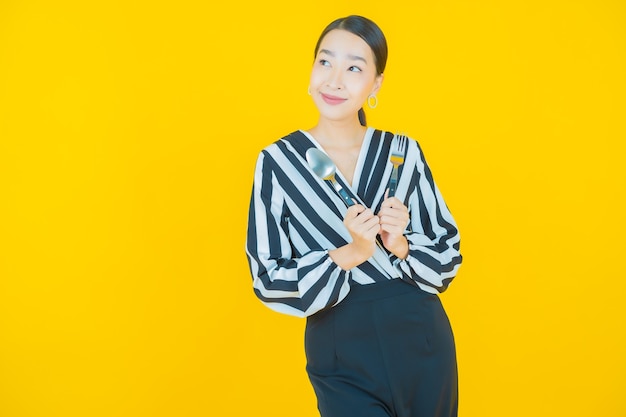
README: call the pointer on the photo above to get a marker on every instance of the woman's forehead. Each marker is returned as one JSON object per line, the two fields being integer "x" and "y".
{"x": 347, "y": 44}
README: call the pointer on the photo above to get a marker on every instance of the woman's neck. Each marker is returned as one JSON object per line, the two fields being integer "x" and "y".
{"x": 338, "y": 136}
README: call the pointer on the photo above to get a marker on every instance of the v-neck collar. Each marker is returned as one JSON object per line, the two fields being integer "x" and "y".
{"x": 358, "y": 168}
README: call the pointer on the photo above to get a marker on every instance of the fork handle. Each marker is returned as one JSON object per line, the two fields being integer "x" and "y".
{"x": 393, "y": 182}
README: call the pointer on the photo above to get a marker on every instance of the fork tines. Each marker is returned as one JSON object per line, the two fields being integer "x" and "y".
{"x": 396, "y": 158}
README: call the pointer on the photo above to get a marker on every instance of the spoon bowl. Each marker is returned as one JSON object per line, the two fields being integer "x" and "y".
{"x": 321, "y": 164}
{"x": 325, "y": 168}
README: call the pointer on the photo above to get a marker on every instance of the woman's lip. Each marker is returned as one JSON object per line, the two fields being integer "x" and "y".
{"x": 332, "y": 99}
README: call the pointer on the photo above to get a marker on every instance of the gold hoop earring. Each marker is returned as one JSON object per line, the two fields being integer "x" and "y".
{"x": 372, "y": 104}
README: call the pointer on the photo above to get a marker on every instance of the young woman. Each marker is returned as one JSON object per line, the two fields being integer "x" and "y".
{"x": 365, "y": 275}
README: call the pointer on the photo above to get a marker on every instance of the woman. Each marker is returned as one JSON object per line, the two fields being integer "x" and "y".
{"x": 366, "y": 276}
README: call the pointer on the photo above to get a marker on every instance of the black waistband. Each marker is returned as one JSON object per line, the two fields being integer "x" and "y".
{"x": 380, "y": 290}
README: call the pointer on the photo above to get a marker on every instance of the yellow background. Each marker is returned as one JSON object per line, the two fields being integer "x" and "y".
{"x": 128, "y": 135}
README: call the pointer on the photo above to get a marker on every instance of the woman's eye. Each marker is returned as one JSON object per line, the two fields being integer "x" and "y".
{"x": 354, "y": 69}
{"x": 324, "y": 63}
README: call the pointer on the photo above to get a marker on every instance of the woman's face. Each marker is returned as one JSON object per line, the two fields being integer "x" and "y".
{"x": 343, "y": 76}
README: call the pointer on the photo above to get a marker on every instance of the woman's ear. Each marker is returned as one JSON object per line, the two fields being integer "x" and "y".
{"x": 378, "y": 82}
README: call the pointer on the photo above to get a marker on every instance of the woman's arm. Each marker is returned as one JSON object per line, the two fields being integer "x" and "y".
{"x": 434, "y": 255}
{"x": 298, "y": 285}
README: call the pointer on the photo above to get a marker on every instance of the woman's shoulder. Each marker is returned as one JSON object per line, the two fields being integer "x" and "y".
{"x": 296, "y": 141}
{"x": 388, "y": 136}
{"x": 386, "y": 139}
{"x": 277, "y": 142}
{"x": 375, "y": 135}
{"x": 289, "y": 137}
{"x": 396, "y": 132}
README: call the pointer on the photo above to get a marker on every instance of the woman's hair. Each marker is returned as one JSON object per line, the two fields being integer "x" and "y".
{"x": 370, "y": 33}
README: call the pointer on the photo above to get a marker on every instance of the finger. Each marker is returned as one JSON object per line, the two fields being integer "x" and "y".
{"x": 354, "y": 211}
{"x": 367, "y": 230}
{"x": 372, "y": 228}
{"x": 395, "y": 218}
{"x": 395, "y": 201}
{"x": 391, "y": 230}
{"x": 392, "y": 202}
{"x": 366, "y": 214}
{"x": 393, "y": 212}
{"x": 359, "y": 219}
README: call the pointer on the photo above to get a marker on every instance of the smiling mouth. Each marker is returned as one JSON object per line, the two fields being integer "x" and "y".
{"x": 332, "y": 99}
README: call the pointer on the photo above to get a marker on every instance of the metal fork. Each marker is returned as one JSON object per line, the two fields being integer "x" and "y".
{"x": 397, "y": 159}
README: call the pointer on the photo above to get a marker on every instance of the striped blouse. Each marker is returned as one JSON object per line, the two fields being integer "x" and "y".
{"x": 295, "y": 218}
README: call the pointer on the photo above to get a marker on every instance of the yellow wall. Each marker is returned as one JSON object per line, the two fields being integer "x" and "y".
{"x": 128, "y": 134}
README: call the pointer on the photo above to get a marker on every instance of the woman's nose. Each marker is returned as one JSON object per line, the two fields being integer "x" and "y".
{"x": 335, "y": 79}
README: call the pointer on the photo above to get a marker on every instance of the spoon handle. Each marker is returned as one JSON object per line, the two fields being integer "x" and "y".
{"x": 349, "y": 202}
{"x": 344, "y": 195}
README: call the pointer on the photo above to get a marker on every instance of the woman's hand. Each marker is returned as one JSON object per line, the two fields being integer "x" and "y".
{"x": 394, "y": 217}
{"x": 363, "y": 226}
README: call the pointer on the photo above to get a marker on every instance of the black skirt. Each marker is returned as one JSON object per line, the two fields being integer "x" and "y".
{"x": 387, "y": 350}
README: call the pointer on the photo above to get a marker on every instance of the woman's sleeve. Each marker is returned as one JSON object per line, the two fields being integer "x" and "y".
{"x": 285, "y": 282}
{"x": 434, "y": 242}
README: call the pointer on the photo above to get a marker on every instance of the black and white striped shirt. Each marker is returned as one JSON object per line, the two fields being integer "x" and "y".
{"x": 295, "y": 218}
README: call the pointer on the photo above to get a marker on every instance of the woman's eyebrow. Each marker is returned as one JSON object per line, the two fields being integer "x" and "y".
{"x": 351, "y": 57}
{"x": 357, "y": 58}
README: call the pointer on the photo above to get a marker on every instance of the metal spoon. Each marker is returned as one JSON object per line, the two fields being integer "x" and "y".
{"x": 325, "y": 168}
